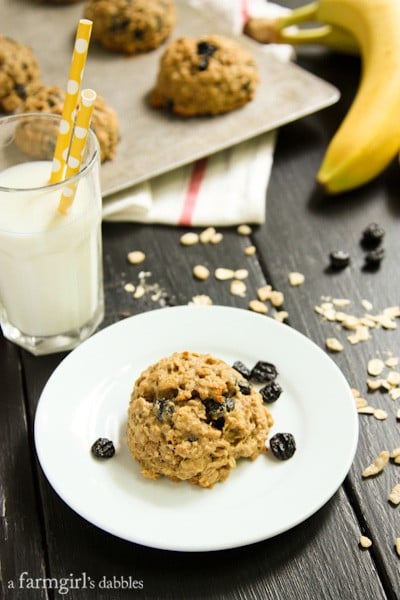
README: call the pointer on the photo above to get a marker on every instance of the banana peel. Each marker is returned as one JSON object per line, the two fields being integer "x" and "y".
{"x": 369, "y": 137}
{"x": 285, "y": 30}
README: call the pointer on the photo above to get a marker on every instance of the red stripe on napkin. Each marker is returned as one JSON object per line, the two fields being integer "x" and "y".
{"x": 192, "y": 193}
{"x": 245, "y": 12}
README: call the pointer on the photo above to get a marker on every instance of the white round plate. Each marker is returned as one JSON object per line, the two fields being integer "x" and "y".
{"x": 87, "y": 397}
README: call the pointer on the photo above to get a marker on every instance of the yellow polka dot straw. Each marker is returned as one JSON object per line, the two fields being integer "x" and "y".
{"x": 77, "y": 149}
{"x": 77, "y": 66}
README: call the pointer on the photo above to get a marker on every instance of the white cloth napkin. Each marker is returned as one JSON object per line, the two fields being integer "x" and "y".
{"x": 226, "y": 188}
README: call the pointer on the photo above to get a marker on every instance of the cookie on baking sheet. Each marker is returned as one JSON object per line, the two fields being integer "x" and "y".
{"x": 192, "y": 416}
{"x": 131, "y": 26}
{"x": 59, "y": 2}
{"x": 19, "y": 73}
{"x": 104, "y": 118}
{"x": 205, "y": 76}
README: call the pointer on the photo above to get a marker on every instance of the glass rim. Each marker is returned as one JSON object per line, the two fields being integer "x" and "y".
{"x": 60, "y": 184}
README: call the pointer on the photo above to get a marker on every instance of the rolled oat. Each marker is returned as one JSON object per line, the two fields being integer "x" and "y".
{"x": 378, "y": 465}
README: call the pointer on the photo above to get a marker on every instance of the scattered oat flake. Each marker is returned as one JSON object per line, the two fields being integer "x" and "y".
{"x": 201, "y": 300}
{"x": 295, "y": 278}
{"x": 276, "y": 298}
{"x": 394, "y": 393}
{"x": 365, "y": 542}
{"x": 333, "y": 344}
{"x": 393, "y": 378}
{"x": 350, "y": 322}
{"x": 207, "y": 235}
{"x": 258, "y": 306}
{"x": 281, "y": 316}
{"x": 223, "y": 274}
{"x": 129, "y": 287}
{"x": 355, "y": 392}
{"x": 139, "y": 291}
{"x": 395, "y": 453}
{"x": 367, "y": 305}
{"x": 250, "y": 250}
{"x": 341, "y": 302}
{"x": 217, "y": 238}
{"x": 238, "y": 288}
{"x": 380, "y": 414}
{"x": 374, "y": 384}
{"x": 375, "y": 366}
{"x": 244, "y": 229}
{"x": 397, "y": 545}
{"x": 361, "y": 335}
{"x": 366, "y": 410}
{"x": 361, "y": 402}
{"x": 264, "y": 293}
{"x": 241, "y": 274}
{"x": 136, "y": 257}
{"x": 189, "y": 239}
{"x": 392, "y": 362}
{"x": 378, "y": 465}
{"x": 394, "y": 496}
{"x": 398, "y": 415}
{"x": 201, "y": 272}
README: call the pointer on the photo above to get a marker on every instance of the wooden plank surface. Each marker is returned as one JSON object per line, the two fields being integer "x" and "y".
{"x": 319, "y": 558}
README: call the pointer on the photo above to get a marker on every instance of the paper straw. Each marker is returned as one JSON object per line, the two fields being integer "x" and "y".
{"x": 77, "y": 149}
{"x": 78, "y": 62}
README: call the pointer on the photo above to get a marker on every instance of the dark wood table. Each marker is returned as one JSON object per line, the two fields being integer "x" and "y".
{"x": 320, "y": 558}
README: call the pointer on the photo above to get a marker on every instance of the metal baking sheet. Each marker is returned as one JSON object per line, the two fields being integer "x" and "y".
{"x": 154, "y": 142}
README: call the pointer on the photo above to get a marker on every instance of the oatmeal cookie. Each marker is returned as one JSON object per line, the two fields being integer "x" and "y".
{"x": 104, "y": 118}
{"x": 204, "y": 76}
{"x": 131, "y": 26}
{"x": 19, "y": 73}
{"x": 191, "y": 417}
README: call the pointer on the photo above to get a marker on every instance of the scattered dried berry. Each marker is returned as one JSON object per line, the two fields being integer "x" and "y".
{"x": 282, "y": 445}
{"x": 264, "y": 372}
{"x": 373, "y": 258}
{"x": 339, "y": 259}
{"x": 372, "y": 235}
{"x": 271, "y": 392}
{"x": 242, "y": 369}
{"x": 103, "y": 448}
{"x": 164, "y": 408}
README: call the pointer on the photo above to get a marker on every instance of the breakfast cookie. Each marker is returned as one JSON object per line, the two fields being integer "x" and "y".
{"x": 104, "y": 118}
{"x": 19, "y": 73}
{"x": 191, "y": 417}
{"x": 131, "y": 26}
{"x": 204, "y": 76}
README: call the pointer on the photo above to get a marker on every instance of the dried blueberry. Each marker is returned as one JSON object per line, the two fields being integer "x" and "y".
{"x": 339, "y": 259}
{"x": 282, "y": 445}
{"x": 204, "y": 48}
{"x": 215, "y": 410}
{"x": 271, "y": 392}
{"x": 103, "y": 448}
{"x": 218, "y": 423}
{"x": 244, "y": 388}
{"x": 374, "y": 257}
{"x": 164, "y": 408}
{"x": 119, "y": 24}
{"x": 21, "y": 91}
{"x": 372, "y": 235}
{"x": 242, "y": 369}
{"x": 264, "y": 371}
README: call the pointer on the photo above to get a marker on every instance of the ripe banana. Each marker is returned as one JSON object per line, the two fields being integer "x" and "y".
{"x": 284, "y": 30}
{"x": 369, "y": 136}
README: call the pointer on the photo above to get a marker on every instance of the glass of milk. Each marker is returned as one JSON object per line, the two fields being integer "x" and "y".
{"x": 51, "y": 277}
